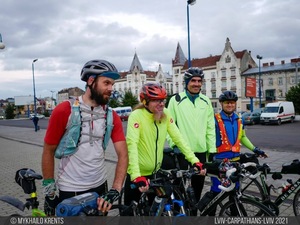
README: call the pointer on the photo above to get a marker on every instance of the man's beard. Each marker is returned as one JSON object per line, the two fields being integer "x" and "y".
{"x": 98, "y": 97}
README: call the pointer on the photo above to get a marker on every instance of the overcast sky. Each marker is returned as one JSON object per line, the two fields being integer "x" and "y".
{"x": 65, "y": 34}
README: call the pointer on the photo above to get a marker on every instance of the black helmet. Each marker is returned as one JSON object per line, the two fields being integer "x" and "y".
{"x": 228, "y": 96}
{"x": 99, "y": 68}
{"x": 193, "y": 72}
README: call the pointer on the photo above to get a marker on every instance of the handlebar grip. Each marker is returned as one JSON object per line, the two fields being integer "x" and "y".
{"x": 133, "y": 186}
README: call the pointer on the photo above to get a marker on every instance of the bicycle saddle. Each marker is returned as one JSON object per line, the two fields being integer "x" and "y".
{"x": 28, "y": 174}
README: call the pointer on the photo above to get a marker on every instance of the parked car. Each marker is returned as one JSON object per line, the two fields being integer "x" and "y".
{"x": 40, "y": 116}
{"x": 251, "y": 118}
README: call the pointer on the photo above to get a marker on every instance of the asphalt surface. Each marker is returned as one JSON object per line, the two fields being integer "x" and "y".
{"x": 22, "y": 148}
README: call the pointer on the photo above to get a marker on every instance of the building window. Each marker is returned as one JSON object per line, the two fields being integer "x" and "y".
{"x": 233, "y": 73}
{"x": 270, "y": 81}
{"x": 223, "y": 73}
{"x": 228, "y": 59}
{"x": 203, "y": 88}
{"x": 213, "y": 94}
{"x": 280, "y": 81}
{"x": 233, "y": 84}
{"x": 213, "y": 75}
{"x": 224, "y": 84}
{"x": 213, "y": 85}
{"x": 292, "y": 80}
{"x": 280, "y": 93}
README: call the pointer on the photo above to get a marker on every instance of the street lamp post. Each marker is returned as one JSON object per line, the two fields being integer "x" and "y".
{"x": 52, "y": 100}
{"x": 189, "y": 2}
{"x": 259, "y": 77}
{"x": 34, "y": 96}
{"x": 2, "y": 46}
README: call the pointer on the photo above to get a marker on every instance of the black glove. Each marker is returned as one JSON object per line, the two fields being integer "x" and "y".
{"x": 50, "y": 205}
{"x": 259, "y": 152}
{"x": 111, "y": 196}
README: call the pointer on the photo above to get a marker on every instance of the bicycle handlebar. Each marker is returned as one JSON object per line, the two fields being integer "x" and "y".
{"x": 236, "y": 173}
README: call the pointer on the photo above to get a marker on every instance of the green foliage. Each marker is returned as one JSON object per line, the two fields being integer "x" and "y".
{"x": 114, "y": 103}
{"x": 293, "y": 95}
{"x": 129, "y": 99}
{"x": 46, "y": 114}
{"x": 9, "y": 111}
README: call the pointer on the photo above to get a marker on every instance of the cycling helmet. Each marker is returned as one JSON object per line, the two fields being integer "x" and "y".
{"x": 99, "y": 68}
{"x": 152, "y": 91}
{"x": 193, "y": 72}
{"x": 228, "y": 96}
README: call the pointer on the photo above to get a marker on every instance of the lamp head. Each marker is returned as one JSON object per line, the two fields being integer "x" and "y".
{"x": 191, "y": 2}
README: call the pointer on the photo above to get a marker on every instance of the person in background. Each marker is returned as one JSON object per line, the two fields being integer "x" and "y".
{"x": 35, "y": 121}
{"x": 85, "y": 170}
{"x": 194, "y": 116}
{"x": 148, "y": 126}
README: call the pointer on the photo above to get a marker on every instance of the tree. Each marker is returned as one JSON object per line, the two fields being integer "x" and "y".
{"x": 129, "y": 99}
{"x": 114, "y": 103}
{"x": 9, "y": 112}
{"x": 293, "y": 96}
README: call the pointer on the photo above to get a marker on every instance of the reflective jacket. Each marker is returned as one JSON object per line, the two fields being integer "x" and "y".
{"x": 146, "y": 139}
{"x": 226, "y": 145}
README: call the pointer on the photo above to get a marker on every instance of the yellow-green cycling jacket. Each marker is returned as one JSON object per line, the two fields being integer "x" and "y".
{"x": 146, "y": 139}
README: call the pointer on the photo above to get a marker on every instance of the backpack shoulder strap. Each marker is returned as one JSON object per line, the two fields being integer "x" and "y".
{"x": 109, "y": 127}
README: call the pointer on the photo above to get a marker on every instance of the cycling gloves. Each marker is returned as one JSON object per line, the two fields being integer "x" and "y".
{"x": 141, "y": 181}
{"x": 259, "y": 152}
{"x": 111, "y": 196}
{"x": 198, "y": 165}
{"x": 50, "y": 205}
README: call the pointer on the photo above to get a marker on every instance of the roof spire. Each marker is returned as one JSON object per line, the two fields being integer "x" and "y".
{"x": 179, "y": 59}
{"x": 136, "y": 63}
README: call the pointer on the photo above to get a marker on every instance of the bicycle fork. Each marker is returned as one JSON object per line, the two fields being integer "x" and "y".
{"x": 175, "y": 202}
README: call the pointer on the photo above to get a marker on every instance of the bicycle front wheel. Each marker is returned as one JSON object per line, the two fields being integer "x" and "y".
{"x": 245, "y": 207}
{"x": 296, "y": 203}
{"x": 253, "y": 189}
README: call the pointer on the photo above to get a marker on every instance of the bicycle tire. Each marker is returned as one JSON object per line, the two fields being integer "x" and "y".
{"x": 253, "y": 189}
{"x": 296, "y": 203}
{"x": 248, "y": 207}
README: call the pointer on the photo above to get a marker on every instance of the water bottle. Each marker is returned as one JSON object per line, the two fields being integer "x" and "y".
{"x": 286, "y": 185}
{"x": 205, "y": 200}
{"x": 155, "y": 205}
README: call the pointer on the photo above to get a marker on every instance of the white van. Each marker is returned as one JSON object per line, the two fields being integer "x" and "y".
{"x": 123, "y": 112}
{"x": 278, "y": 112}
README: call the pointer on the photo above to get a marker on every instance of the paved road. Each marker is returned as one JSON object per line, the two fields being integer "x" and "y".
{"x": 282, "y": 138}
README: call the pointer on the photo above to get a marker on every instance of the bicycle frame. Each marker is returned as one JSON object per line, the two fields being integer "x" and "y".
{"x": 293, "y": 188}
{"x": 31, "y": 202}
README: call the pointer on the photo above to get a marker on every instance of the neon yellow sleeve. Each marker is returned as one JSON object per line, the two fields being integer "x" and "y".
{"x": 246, "y": 142}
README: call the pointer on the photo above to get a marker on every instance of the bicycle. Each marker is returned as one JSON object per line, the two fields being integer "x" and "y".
{"x": 169, "y": 200}
{"x": 26, "y": 179}
{"x": 264, "y": 189}
{"x": 237, "y": 204}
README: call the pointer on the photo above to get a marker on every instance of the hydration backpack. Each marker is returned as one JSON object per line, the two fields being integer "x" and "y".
{"x": 68, "y": 145}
